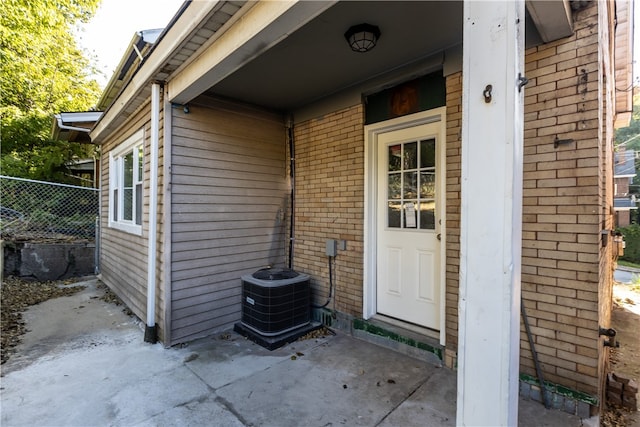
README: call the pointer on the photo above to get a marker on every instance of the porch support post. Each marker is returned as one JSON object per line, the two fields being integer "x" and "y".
{"x": 491, "y": 213}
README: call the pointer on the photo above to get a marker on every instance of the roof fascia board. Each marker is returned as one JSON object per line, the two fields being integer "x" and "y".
{"x": 186, "y": 24}
{"x": 551, "y": 18}
{"x": 262, "y": 27}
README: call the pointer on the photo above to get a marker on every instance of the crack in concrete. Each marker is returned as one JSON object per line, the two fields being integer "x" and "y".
{"x": 411, "y": 393}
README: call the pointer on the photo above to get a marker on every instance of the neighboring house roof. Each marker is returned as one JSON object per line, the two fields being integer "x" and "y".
{"x": 82, "y": 165}
{"x": 624, "y": 204}
{"x": 74, "y": 127}
{"x": 625, "y": 164}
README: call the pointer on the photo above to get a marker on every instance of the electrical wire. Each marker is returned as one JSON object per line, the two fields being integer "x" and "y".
{"x": 330, "y": 286}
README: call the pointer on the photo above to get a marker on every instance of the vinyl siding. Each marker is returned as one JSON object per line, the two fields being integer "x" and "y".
{"x": 123, "y": 256}
{"x": 229, "y": 199}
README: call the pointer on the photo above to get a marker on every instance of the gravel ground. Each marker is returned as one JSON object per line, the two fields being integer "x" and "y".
{"x": 625, "y": 360}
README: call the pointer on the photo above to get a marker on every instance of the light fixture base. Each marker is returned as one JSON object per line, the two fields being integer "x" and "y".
{"x": 362, "y": 37}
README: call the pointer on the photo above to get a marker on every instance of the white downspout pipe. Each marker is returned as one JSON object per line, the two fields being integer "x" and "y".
{"x": 167, "y": 127}
{"x": 150, "y": 333}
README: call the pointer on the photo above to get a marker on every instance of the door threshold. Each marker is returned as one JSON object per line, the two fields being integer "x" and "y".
{"x": 407, "y": 341}
{"x": 420, "y": 330}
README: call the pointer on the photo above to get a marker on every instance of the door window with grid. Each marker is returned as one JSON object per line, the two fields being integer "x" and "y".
{"x": 411, "y": 185}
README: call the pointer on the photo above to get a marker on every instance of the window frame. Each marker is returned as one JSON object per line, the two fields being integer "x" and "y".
{"x": 132, "y": 146}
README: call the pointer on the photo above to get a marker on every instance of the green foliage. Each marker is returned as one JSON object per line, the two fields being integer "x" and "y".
{"x": 628, "y": 264}
{"x": 631, "y": 235}
{"x": 43, "y": 72}
{"x": 624, "y": 134}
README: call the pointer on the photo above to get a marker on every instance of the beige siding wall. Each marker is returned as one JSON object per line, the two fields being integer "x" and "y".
{"x": 329, "y": 193}
{"x": 229, "y": 199}
{"x": 123, "y": 256}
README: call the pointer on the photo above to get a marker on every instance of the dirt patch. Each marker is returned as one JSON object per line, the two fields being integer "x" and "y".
{"x": 112, "y": 298}
{"x": 625, "y": 360}
{"x": 16, "y": 295}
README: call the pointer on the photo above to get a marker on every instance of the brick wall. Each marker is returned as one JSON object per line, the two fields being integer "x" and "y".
{"x": 562, "y": 212}
{"x": 606, "y": 25}
{"x": 565, "y": 203}
{"x": 454, "y": 170}
{"x": 329, "y": 162}
{"x": 621, "y": 186}
{"x": 623, "y": 218}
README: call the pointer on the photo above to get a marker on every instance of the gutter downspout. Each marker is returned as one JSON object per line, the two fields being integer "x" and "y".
{"x": 292, "y": 177}
{"x": 150, "y": 333}
{"x": 167, "y": 128}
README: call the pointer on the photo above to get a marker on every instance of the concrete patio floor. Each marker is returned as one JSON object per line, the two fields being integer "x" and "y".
{"x": 84, "y": 363}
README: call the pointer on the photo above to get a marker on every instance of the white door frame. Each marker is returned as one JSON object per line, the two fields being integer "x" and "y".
{"x": 371, "y": 132}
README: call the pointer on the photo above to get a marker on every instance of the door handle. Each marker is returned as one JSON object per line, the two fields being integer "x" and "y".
{"x": 439, "y": 237}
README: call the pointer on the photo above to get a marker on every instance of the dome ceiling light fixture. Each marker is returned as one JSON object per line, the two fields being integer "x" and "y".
{"x": 362, "y": 37}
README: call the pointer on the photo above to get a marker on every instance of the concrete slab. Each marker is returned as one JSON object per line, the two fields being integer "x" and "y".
{"x": 433, "y": 403}
{"x": 241, "y": 357}
{"x": 85, "y": 363}
{"x": 534, "y": 414}
{"x": 207, "y": 412}
{"x": 339, "y": 382}
{"x": 81, "y": 321}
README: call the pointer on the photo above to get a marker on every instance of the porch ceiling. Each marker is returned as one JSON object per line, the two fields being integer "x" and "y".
{"x": 316, "y": 60}
{"x": 288, "y": 64}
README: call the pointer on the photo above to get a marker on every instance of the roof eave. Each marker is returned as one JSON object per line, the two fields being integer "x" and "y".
{"x": 184, "y": 23}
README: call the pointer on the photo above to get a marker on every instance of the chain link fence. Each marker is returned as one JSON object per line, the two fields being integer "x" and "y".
{"x": 39, "y": 211}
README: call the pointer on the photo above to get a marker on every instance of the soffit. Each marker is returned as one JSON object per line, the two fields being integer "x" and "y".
{"x": 177, "y": 44}
{"x": 316, "y": 60}
{"x": 623, "y": 63}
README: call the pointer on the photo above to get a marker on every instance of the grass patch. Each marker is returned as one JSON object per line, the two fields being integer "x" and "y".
{"x": 628, "y": 264}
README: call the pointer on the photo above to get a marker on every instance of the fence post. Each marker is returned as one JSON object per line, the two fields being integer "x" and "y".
{"x": 96, "y": 251}
{"x": 1, "y": 261}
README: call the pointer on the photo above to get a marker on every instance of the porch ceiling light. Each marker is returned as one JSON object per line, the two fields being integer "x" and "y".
{"x": 362, "y": 37}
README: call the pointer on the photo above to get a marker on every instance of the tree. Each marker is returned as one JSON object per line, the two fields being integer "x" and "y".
{"x": 44, "y": 72}
{"x": 627, "y": 133}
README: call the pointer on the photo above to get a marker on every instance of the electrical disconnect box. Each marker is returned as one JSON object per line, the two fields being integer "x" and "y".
{"x": 332, "y": 247}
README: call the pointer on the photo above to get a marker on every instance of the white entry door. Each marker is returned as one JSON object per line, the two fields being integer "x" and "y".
{"x": 409, "y": 224}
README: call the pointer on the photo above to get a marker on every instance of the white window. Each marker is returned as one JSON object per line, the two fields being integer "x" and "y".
{"x": 126, "y": 165}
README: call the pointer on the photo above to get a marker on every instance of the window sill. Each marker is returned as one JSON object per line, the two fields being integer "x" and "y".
{"x": 127, "y": 228}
